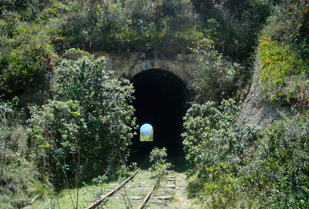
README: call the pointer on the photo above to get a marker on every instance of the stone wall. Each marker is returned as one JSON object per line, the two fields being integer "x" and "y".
{"x": 128, "y": 64}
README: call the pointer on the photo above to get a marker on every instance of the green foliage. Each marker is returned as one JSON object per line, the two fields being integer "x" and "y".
{"x": 139, "y": 25}
{"x": 233, "y": 25}
{"x": 39, "y": 190}
{"x": 75, "y": 54}
{"x": 131, "y": 25}
{"x": 85, "y": 129}
{"x": 211, "y": 138}
{"x": 149, "y": 137}
{"x": 244, "y": 167}
{"x": 278, "y": 174}
{"x": 215, "y": 150}
{"x": 105, "y": 102}
{"x": 17, "y": 172}
{"x": 145, "y": 138}
{"x": 214, "y": 78}
{"x": 32, "y": 31}
{"x": 88, "y": 128}
{"x": 26, "y": 55}
{"x": 159, "y": 164}
{"x": 284, "y": 52}
{"x": 54, "y": 132}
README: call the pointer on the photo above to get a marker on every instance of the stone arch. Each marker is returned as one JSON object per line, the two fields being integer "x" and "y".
{"x": 172, "y": 67}
{"x": 128, "y": 65}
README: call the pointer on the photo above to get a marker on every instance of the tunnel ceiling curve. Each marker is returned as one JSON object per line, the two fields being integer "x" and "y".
{"x": 160, "y": 100}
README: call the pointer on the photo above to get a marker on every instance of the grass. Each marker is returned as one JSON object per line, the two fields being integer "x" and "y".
{"x": 139, "y": 187}
{"x": 90, "y": 193}
{"x": 67, "y": 198}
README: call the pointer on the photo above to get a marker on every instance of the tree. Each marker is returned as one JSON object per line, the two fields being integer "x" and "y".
{"x": 213, "y": 79}
{"x": 88, "y": 127}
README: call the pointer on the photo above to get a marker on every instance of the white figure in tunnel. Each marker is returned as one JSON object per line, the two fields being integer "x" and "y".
{"x": 146, "y": 132}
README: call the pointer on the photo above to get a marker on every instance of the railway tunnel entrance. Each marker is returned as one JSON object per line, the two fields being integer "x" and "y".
{"x": 160, "y": 101}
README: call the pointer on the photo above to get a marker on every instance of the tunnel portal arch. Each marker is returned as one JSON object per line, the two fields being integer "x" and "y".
{"x": 160, "y": 100}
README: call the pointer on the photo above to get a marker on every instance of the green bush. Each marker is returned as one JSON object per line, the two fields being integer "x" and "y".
{"x": 283, "y": 52}
{"x": 214, "y": 78}
{"x": 211, "y": 137}
{"x": 159, "y": 164}
{"x": 75, "y": 54}
{"x": 245, "y": 167}
{"x": 26, "y": 55}
{"x": 17, "y": 171}
{"x": 131, "y": 25}
{"x": 278, "y": 173}
{"x": 54, "y": 137}
{"x": 87, "y": 129}
{"x": 237, "y": 24}
{"x": 105, "y": 102}
{"x": 216, "y": 149}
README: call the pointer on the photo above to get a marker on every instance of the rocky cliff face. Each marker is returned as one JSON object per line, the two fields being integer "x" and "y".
{"x": 255, "y": 109}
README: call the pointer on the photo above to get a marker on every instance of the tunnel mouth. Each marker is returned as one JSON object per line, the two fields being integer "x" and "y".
{"x": 146, "y": 133}
{"x": 160, "y": 100}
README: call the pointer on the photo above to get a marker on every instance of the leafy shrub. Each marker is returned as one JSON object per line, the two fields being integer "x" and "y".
{"x": 54, "y": 138}
{"x": 88, "y": 128}
{"x": 211, "y": 137}
{"x": 26, "y": 55}
{"x": 283, "y": 52}
{"x": 278, "y": 173}
{"x": 17, "y": 172}
{"x": 237, "y": 24}
{"x": 159, "y": 165}
{"x": 214, "y": 78}
{"x": 215, "y": 150}
{"x": 245, "y": 167}
{"x": 131, "y": 25}
{"x": 75, "y": 54}
{"x": 105, "y": 102}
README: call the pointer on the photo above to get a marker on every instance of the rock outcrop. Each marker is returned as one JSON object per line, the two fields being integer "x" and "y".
{"x": 256, "y": 110}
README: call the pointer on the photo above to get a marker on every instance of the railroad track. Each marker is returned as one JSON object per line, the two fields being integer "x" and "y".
{"x": 138, "y": 191}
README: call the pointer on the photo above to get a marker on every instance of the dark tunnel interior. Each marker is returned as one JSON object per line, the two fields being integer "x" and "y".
{"x": 160, "y": 100}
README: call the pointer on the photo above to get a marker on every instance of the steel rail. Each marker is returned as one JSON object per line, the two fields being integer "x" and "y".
{"x": 111, "y": 193}
{"x": 145, "y": 200}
